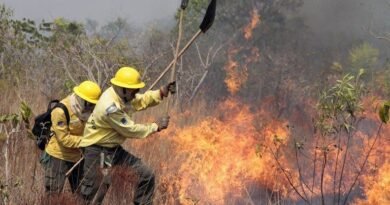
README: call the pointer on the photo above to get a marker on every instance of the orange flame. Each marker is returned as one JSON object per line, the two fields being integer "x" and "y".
{"x": 236, "y": 75}
{"x": 378, "y": 188}
{"x": 220, "y": 157}
{"x": 224, "y": 158}
{"x": 255, "y": 20}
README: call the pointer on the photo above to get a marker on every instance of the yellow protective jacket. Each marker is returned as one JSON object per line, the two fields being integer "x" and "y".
{"x": 109, "y": 125}
{"x": 65, "y": 141}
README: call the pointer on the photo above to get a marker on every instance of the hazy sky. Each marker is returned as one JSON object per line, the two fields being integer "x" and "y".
{"x": 136, "y": 12}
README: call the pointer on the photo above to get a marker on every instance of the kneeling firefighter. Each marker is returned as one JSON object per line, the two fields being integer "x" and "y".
{"x": 62, "y": 149}
{"x": 110, "y": 125}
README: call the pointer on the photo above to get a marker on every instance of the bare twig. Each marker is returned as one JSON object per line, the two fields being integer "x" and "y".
{"x": 364, "y": 163}
{"x": 386, "y": 37}
{"x": 2, "y": 63}
{"x": 155, "y": 59}
{"x": 343, "y": 167}
{"x": 288, "y": 177}
{"x": 249, "y": 196}
{"x": 322, "y": 177}
{"x": 206, "y": 65}
{"x": 314, "y": 169}
{"x": 336, "y": 168}
{"x": 65, "y": 66}
{"x": 198, "y": 86}
{"x": 301, "y": 180}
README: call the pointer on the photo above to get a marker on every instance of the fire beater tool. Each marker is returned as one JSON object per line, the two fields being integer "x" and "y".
{"x": 207, "y": 22}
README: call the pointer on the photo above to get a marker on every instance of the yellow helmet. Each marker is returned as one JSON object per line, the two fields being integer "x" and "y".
{"x": 128, "y": 77}
{"x": 88, "y": 91}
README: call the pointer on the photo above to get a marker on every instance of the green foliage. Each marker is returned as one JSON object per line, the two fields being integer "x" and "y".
{"x": 61, "y": 25}
{"x": 4, "y": 24}
{"x": 363, "y": 56}
{"x": 384, "y": 112}
{"x": 25, "y": 111}
{"x": 9, "y": 118}
{"x": 3, "y": 192}
{"x": 69, "y": 85}
{"x": 336, "y": 66}
{"x": 339, "y": 104}
{"x": 63, "y": 32}
{"x": 384, "y": 79}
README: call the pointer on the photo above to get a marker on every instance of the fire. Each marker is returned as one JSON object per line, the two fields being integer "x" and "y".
{"x": 220, "y": 160}
{"x": 225, "y": 158}
{"x": 376, "y": 182}
{"x": 255, "y": 20}
{"x": 378, "y": 188}
{"x": 237, "y": 70}
{"x": 236, "y": 75}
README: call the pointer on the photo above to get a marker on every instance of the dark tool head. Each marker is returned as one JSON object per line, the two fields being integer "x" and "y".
{"x": 184, "y": 4}
{"x": 208, "y": 19}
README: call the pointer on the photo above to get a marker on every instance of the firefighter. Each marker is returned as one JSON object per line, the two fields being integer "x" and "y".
{"x": 110, "y": 125}
{"x": 62, "y": 150}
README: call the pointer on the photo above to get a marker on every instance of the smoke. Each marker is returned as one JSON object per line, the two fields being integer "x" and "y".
{"x": 138, "y": 13}
{"x": 335, "y": 21}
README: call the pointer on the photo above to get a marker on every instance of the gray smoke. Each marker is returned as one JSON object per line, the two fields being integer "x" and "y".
{"x": 333, "y": 21}
{"x": 136, "y": 12}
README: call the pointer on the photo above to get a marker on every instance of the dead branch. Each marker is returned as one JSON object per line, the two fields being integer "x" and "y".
{"x": 322, "y": 177}
{"x": 386, "y": 37}
{"x": 65, "y": 66}
{"x": 146, "y": 69}
{"x": 198, "y": 86}
{"x": 301, "y": 180}
{"x": 377, "y": 137}
{"x": 314, "y": 168}
{"x": 251, "y": 202}
{"x": 206, "y": 65}
{"x": 286, "y": 174}
{"x": 2, "y": 63}
{"x": 343, "y": 166}
{"x": 336, "y": 167}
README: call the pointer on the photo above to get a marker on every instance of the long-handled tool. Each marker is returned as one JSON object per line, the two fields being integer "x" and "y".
{"x": 74, "y": 166}
{"x": 207, "y": 22}
{"x": 183, "y": 6}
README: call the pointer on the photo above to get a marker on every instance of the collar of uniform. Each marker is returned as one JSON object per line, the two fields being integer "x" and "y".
{"x": 117, "y": 100}
{"x": 75, "y": 105}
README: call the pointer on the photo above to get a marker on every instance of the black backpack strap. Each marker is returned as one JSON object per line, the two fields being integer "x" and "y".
{"x": 52, "y": 104}
{"x": 63, "y": 107}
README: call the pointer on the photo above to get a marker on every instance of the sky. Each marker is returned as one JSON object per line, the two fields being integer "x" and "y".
{"x": 137, "y": 12}
{"x": 324, "y": 17}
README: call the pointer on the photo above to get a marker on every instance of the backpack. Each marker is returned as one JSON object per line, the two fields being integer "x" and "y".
{"x": 42, "y": 124}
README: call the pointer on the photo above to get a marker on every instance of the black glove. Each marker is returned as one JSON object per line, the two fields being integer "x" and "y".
{"x": 170, "y": 88}
{"x": 162, "y": 123}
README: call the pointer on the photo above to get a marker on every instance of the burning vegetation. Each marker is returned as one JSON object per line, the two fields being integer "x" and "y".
{"x": 270, "y": 119}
